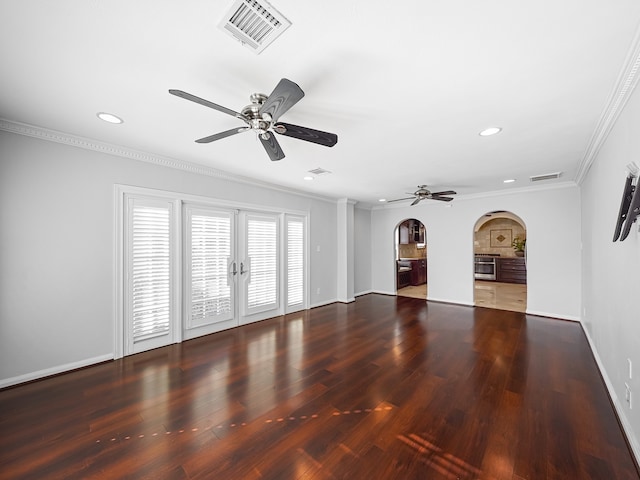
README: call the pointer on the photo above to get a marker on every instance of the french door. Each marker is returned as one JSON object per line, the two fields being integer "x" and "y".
{"x": 259, "y": 266}
{"x": 229, "y": 267}
{"x": 210, "y": 271}
{"x": 232, "y": 271}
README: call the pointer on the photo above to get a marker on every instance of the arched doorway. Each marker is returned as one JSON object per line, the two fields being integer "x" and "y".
{"x": 500, "y": 262}
{"x": 411, "y": 259}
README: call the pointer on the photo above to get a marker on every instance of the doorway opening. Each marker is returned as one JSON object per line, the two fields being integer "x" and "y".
{"x": 411, "y": 259}
{"x": 500, "y": 261}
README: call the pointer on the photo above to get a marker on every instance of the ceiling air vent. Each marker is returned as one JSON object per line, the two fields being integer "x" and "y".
{"x": 255, "y": 24}
{"x": 319, "y": 171}
{"x": 548, "y": 176}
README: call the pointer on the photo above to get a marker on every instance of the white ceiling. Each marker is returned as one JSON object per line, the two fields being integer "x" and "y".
{"x": 406, "y": 85}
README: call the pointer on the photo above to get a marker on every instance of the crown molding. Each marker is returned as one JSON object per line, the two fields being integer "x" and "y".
{"x": 625, "y": 84}
{"x": 119, "y": 151}
{"x": 491, "y": 194}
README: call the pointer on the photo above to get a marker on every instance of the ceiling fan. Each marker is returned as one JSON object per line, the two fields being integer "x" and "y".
{"x": 262, "y": 116}
{"x": 422, "y": 193}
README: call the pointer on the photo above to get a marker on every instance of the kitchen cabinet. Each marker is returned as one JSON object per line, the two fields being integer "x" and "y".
{"x": 511, "y": 270}
{"x": 411, "y": 231}
{"x": 418, "y": 271}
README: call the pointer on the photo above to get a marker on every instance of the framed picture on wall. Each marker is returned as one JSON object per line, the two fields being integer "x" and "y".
{"x": 501, "y": 238}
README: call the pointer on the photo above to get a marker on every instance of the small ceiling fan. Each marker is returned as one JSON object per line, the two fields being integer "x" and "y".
{"x": 262, "y": 116}
{"x": 422, "y": 193}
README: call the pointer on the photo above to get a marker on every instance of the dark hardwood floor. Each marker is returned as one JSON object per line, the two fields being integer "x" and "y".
{"x": 383, "y": 388}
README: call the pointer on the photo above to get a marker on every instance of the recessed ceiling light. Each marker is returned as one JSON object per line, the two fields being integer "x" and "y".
{"x": 509, "y": 180}
{"x": 308, "y": 178}
{"x": 382, "y": 200}
{"x": 109, "y": 117}
{"x": 490, "y": 131}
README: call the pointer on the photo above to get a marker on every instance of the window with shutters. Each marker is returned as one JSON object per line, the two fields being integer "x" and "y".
{"x": 209, "y": 258}
{"x": 295, "y": 262}
{"x": 149, "y": 289}
{"x": 262, "y": 262}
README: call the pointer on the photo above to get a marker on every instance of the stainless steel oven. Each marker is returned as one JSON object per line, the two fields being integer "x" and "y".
{"x": 485, "y": 267}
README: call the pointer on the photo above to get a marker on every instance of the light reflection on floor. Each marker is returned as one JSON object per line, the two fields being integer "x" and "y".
{"x": 437, "y": 459}
{"x": 233, "y": 426}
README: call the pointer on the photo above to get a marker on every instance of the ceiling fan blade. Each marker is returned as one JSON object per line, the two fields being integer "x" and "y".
{"x": 442, "y": 199}
{"x": 284, "y": 96}
{"x": 272, "y": 146}
{"x": 416, "y": 201}
{"x": 400, "y": 199}
{"x": 206, "y": 103}
{"x": 307, "y": 134}
{"x": 447, "y": 192}
{"x": 218, "y": 136}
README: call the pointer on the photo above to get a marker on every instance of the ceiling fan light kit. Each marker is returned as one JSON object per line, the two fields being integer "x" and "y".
{"x": 262, "y": 116}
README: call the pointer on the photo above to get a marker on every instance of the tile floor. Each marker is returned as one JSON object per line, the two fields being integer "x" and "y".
{"x": 503, "y": 296}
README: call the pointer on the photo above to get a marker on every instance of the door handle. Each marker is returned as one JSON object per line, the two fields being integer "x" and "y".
{"x": 235, "y": 270}
{"x": 242, "y": 270}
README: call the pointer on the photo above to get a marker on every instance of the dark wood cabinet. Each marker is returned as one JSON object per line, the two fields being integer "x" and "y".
{"x": 411, "y": 231}
{"x": 418, "y": 271}
{"x": 511, "y": 270}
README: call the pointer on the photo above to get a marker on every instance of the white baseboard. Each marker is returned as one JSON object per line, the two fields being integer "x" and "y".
{"x": 346, "y": 300}
{"x": 452, "y": 302}
{"x": 553, "y": 315}
{"x": 322, "y": 304}
{"x": 383, "y": 292}
{"x": 359, "y": 294}
{"x": 626, "y": 426}
{"x": 28, "y": 377}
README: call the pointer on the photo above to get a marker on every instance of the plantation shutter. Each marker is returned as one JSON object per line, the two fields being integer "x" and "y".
{"x": 295, "y": 262}
{"x": 209, "y": 260}
{"x": 149, "y": 274}
{"x": 262, "y": 262}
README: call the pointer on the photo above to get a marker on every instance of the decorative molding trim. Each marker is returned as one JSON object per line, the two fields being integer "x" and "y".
{"x": 622, "y": 417}
{"x": 475, "y": 196}
{"x": 627, "y": 80}
{"x": 47, "y": 372}
{"x": 110, "y": 149}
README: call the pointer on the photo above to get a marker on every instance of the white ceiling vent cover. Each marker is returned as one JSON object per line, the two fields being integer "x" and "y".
{"x": 319, "y": 171}
{"x": 255, "y": 24}
{"x": 547, "y": 176}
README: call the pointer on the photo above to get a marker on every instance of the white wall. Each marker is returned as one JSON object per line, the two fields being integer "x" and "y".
{"x": 362, "y": 250}
{"x": 611, "y": 286}
{"x": 57, "y": 255}
{"x": 552, "y": 218}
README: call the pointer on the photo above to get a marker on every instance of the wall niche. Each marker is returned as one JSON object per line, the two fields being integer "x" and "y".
{"x": 494, "y": 233}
